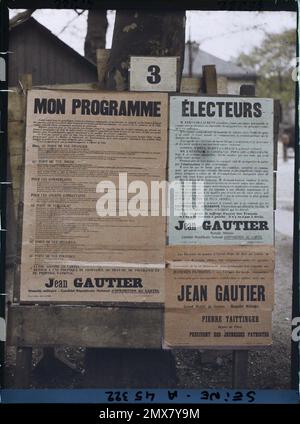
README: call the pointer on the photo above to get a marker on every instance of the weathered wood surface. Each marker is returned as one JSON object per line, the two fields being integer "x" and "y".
{"x": 25, "y": 83}
{"x": 47, "y": 326}
{"x": 11, "y": 240}
{"x": 85, "y": 86}
{"x": 277, "y": 109}
{"x": 240, "y": 369}
{"x": 16, "y": 137}
{"x": 102, "y": 62}
{"x": 209, "y": 80}
{"x": 23, "y": 367}
{"x": 190, "y": 85}
{"x": 135, "y": 368}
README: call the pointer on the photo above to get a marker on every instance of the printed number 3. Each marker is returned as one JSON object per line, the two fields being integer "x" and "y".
{"x": 154, "y": 77}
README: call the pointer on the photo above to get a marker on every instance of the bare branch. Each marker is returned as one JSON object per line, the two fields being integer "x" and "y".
{"x": 71, "y": 21}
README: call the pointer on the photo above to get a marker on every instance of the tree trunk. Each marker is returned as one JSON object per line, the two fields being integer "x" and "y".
{"x": 96, "y": 33}
{"x": 143, "y": 33}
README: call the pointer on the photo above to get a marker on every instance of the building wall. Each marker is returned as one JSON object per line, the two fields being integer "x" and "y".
{"x": 49, "y": 62}
{"x": 225, "y": 85}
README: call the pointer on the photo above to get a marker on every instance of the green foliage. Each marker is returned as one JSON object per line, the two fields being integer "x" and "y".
{"x": 273, "y": 61}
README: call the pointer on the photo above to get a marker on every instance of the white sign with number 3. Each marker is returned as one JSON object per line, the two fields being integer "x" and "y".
{"x": 153, "y": 73}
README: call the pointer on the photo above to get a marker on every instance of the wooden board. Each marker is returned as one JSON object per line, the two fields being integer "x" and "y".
{"x": 84, "y": 326}
{"x": 16, "y": 137}
{"x": 83, "y": 86}
{"x": 276, "y": 130}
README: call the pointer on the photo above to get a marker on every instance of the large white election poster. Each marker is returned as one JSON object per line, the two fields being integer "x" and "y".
{"x": 225, "y": 144}
{"x": 77, "y": 142}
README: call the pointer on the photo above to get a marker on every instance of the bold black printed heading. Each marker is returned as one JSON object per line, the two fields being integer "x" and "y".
{"x": 98, "y": 107}
{"x": 89, "y": 282}
{"x": 232, "y": 109}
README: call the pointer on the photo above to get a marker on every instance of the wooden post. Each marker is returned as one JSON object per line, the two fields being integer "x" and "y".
{"x": 190, "y": 85}
{"x": 209, "y": 80}
{"x": 277, "y": 112}
{"x": 11, "y": 237}
{"x": 23, "y": 367}
{"x": 102, "y": 62}
{"x": 24, "y": 354}
{"x": 135, "y": 368}
{"x": 25, "y": 83}
{"x": 239, "y": 369}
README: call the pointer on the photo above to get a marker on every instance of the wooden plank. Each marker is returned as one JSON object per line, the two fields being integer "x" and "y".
{"x": 178, "y": 74}
{"x": 25, "y": 84}
{"x": 15, "y": 106}
{"x": 190, "y": 85}
{"x": 240, "y": 369}
{"x": 274, "y": 190}
{"x": 15, "y": 161}
{"x": 209, "y": 79}
{"x": 16, "y": 137}
{"x": 23, "y": 367}
{"x": 277, "y": 113}
{"x": 47, "y": 326}
{"x": 102, "y": 61}
{"x": 123, "y": 368}
{"x": 84, "y": 86}
{"x": 11, "y": 239}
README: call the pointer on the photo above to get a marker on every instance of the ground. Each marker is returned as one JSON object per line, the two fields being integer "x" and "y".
{"x": 269, "y": 368}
